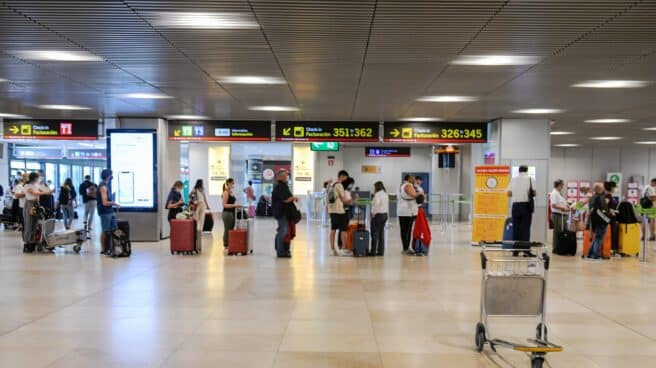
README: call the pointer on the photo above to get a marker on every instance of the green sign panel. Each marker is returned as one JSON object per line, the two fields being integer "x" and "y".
{"x": 324, "y": 146}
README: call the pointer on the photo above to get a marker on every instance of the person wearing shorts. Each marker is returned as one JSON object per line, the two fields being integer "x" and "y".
{"x": 338, "y": 216}
{"x": 106, "y": 210}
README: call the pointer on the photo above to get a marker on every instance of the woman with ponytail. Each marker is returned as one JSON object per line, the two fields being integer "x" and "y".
{"x": 228, "y": 200}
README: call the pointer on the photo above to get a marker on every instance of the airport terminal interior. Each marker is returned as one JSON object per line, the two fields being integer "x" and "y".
{"x": 365, "y": 183}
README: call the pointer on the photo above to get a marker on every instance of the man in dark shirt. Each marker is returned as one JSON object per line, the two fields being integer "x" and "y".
{"x": 89, "y": 192}
{"x": 281, "y": 197}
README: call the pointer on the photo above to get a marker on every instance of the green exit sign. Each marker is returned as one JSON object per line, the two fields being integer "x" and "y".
{"x": 324, "y": 146}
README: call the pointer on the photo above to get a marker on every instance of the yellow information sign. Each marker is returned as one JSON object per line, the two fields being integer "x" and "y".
{"x": 218, "y": 165}
{"x": 490, "y": 202}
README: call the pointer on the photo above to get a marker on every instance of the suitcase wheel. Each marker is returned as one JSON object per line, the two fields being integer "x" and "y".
{"x": 172, "y": 252}
{"x": 77, "y": 249}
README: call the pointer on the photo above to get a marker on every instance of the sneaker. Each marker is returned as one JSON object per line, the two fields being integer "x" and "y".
{"x": 336, "y": 253}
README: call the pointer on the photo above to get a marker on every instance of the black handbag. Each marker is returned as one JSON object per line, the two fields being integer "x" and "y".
{"x": 645, "y": 202}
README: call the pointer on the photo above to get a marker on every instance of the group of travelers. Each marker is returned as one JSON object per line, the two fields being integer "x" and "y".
{"x": 34, "y": 198}
{"x": 341, "y": 197}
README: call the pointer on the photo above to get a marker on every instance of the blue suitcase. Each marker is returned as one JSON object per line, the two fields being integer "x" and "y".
{"x": 508, "y": 229}
{"x": 361, "y": 243}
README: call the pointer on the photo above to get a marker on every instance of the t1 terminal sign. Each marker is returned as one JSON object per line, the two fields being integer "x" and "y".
{"x": 302, "y": 131}
{"x": 219, "y": 131}
{"x": 438, "y": 132}
{"x": 50, "y": 129}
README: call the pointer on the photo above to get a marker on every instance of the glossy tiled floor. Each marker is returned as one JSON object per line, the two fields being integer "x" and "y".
{"x": 158, "y": 310}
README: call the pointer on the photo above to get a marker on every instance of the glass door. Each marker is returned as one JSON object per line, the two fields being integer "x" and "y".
{"x": 51, "y": 172}
{"x": 64, "y": 172}
{"x": 96, "y": 174}
{"x": 77, "y": 175}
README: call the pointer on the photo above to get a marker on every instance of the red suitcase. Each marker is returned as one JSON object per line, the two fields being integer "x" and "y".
{"x": 238, "y": 242}
{"x": 183, "y": 236}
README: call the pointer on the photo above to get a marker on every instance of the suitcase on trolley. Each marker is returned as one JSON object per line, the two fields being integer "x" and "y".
{"x": 183, "y": 236}
{"x": 238, "y": 242}
{"x": 629, "y": 239}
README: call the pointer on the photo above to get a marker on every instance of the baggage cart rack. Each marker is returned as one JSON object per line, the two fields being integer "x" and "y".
{"x": 514, "y": 284}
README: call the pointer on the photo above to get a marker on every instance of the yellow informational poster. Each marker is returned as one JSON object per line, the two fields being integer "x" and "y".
{"x": 302, "y": 169}
{"x": 218, "y": 168}
{"x": 490, "y": 202}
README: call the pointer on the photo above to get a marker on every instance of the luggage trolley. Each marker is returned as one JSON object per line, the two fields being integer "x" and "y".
{"x": 514, "y": 284}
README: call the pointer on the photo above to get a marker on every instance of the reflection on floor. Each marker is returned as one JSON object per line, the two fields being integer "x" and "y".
{"x": 154, "y": 309}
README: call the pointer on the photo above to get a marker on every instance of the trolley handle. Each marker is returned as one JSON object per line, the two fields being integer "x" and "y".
{"x": 499, "y": 244}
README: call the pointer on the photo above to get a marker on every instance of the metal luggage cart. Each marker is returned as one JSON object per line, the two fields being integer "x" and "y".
{"x": 49, "y": 239}
{"x": 514, "y": 284}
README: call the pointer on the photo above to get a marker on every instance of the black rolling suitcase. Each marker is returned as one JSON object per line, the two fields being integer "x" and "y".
{"x": 361, "y": 238}
{"x": 121, "y": 244}
{"x": 565, "y": 245}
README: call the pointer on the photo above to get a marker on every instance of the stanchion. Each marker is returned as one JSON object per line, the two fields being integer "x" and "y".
{"x": 645, "y": 239}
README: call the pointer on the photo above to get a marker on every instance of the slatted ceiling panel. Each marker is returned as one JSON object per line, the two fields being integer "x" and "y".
{"x": 542, "y": 27}
{"x": 421, "y": 31}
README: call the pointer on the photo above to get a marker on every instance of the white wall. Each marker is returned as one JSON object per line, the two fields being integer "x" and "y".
{"x": 594, "y": 163}
{"x": 352, "y": 158}
{"x": 528, "y": 142}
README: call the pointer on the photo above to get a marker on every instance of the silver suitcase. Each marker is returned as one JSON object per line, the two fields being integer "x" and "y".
{"x": 66, "y": 237}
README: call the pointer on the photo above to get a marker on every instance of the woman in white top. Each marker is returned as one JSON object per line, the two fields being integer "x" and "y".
{"x": 198, "y": 204}
{"x": 407, "y": 210}
{"x": 559, "y": 211}
{"x": 32, "y": 189}
{"x": 379, "y": 209}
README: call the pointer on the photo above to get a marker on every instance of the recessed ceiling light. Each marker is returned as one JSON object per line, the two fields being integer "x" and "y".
{"x": 251, "y": 79}
{"x": 611, "y": 84}
{"x": 186, "y": 117}
{"x": 566, "y": 145}
{"x": 3, "y": 80}
{"x": 420, "y": 119}
{"x": 649, "y": 129}
{"x": 608, "y": 121}
{"x": 13, "y": 116}
{"x": 57, "y": 55}
{"x": 605, "y": 138}
{"x": 205, "y": 20}
{"x": 146, "y": 96}
{"x": 63, "y": 107}
{"x": 484, "y": 60}
{"x": 560, "y": 132}
{"x": 537, "y": 111}
{"x": 646, "y": 142}
{"x": 447, "y": 99}
{"x": 273, "y": 108}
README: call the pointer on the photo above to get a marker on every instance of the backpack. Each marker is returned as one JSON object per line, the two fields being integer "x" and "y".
{"x": 331, "y": 194}
{"x": 645, "y": 202}
{"x": 626, "y": 214}
{"x": 121, "y": 245}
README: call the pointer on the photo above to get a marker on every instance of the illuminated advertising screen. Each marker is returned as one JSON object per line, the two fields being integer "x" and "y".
{"x": 132, "y": 156}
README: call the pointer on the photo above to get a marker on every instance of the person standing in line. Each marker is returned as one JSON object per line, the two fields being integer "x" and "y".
{"x": 198, "y": 204}
{"x": 559, "y": 211}
{"x": 650, "y": 193}
{"x": 407, "y": 209}
{"x": 19, "y": 193}
{"x": 250, "y": 198}
{"x": 338, "y": 217}
{"x": 89, "y": 192}
{"x": 65, "y": 200}
{"x": 599, "y": 219}
{"x": 32, "y": 189}
{"x": 229, "y": 204}
{"x": 419, "y": 188}
{"x": 379, "y": 209}
{"x": 521, "y": 192}
{"x": 106, "y": 206}
{"x": 281, "y": 198}
{"x": 175, "y": 202}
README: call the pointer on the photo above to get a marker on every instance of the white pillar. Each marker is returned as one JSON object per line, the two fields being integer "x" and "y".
{"x": 528, "y": 142}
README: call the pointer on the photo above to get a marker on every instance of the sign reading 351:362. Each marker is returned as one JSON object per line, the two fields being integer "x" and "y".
{"x": 327, "y": 131}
